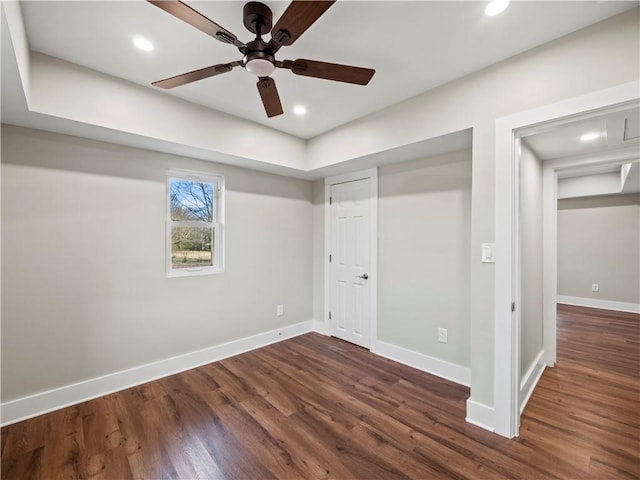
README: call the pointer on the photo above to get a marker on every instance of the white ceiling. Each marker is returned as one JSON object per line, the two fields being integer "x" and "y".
{"x": 616, "y": 129}
{"x": 414, "y": 47}
{"x": 602, "y": 158}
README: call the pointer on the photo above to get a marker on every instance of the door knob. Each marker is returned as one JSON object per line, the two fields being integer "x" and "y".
{"x": 364, "y": 276}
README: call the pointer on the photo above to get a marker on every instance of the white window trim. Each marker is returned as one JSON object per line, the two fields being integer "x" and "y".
{"x": 218, "y": 182}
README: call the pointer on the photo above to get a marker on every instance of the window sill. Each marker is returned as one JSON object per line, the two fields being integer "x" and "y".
{"x": 192, "y": 272}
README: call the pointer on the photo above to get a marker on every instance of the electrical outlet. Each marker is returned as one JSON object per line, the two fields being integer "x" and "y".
{"x": 280, "y": 310}
{"x": 595, "y": 287}
{"x": 442, "y": 335}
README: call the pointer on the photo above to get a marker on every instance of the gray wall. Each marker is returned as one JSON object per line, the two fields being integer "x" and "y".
{"x": 531, "y": 301}
{"x": 571, "y": 66}
{"x": 83, "y": 283}
{"x": 318, "y": 250}
{"x": 424, "y": 222}
{"x": 424, "y": 234}
{"x": 599, "y": 242}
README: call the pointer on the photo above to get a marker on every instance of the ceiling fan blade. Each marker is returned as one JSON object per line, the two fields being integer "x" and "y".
{"x": 329, "y": 71}
{"x": 196, "y": 75}
{"x": 194, "y": 18}
{"x": 295, "y": 20}
{"x": 269, "y": 96}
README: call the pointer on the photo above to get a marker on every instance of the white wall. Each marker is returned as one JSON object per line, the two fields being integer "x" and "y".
{"x": 599, "y": 242}
{"x": 424, "y": 221}
{"x": 83, "y": 283}
{"x": 587, "y": 185}
{"x": 61, "y": 89}
{"x": 531, "y": 301}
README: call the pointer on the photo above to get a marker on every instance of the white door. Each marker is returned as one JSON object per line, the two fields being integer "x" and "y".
{"x": 350, "y": 262}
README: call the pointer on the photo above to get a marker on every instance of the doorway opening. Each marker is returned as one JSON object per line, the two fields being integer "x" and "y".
{"x": 594, "y": 156}
{"x": 510, "y": 392}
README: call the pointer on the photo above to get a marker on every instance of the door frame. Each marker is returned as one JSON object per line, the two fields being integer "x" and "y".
{"x": 372, "y": 175}
{"x": 506, "y": 353}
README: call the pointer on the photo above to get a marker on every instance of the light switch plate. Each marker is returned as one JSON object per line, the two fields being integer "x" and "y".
{"x": 488, "y": 253}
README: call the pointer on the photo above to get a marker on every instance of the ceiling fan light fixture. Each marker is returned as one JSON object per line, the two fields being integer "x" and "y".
{"x": 260, "y": 67}
{"x": 258, "y": 61}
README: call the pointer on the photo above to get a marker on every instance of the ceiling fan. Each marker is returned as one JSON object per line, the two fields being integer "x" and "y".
{"x": 259, "y": 55}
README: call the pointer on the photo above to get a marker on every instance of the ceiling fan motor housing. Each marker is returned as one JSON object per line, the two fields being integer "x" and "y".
{"x": 258, "y": 18}
{"x": 259, "y": 59}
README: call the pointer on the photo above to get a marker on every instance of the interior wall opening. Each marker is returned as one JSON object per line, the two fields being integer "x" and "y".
{"x": 578, "y": 212}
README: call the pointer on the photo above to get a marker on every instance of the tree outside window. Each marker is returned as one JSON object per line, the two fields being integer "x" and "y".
{"x": 194, "y": 223}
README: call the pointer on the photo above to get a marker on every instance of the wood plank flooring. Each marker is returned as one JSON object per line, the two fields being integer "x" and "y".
{"x": 584, "y": 415}
{"x": 315, "y": 407}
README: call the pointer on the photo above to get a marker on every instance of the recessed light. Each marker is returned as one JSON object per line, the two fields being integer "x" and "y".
{"x": 587, "y": 137}
{"x": 495, "y": 7}
{"x": 143, "y": 44}
{"x": 300, "y": 110}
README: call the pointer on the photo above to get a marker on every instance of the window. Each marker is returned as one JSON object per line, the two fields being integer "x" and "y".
{"x": 195, "y": 223}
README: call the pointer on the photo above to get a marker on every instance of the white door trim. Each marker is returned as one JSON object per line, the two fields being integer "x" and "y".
{"x": 550, "y": 262}
{"x": 372, "y": 174}
{"x": 506, "y": 375}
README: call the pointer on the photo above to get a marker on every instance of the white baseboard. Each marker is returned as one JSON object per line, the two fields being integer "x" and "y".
{"x": 597, "y": 303}
{"x": 27, "y": 407}
{"x": 530, "y": 380}
{"x": 320, "y": 326}
{"x": 30, "y": 406}
{"x": 441, "y": 368}
{"x": 480, "y": 415}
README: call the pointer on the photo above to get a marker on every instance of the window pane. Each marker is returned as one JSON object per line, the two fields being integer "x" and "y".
{"x": 191, "y": 201}
{"x": 192, "y": 247}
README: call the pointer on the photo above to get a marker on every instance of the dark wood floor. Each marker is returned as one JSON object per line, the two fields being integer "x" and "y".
{"x": 315, "y": 407}
{"x": 583, "y": 418}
